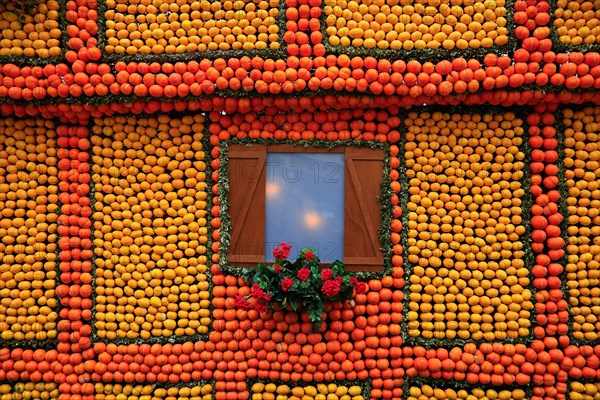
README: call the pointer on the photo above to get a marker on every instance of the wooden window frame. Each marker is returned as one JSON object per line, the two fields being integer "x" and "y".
{"x": 362, "y": 218}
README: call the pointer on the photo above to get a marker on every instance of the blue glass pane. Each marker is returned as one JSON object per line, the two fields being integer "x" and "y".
{"x": 305, "y": 204}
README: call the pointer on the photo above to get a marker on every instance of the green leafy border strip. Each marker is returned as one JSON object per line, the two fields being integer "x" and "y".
{"x": 22, "y": 61}
{"x": 224, "y": 94}
{"x": 47, "y": 344}
{"x": 557, "y": 45}
{"x": 281, "y": 53}
{"x": 562, "y": 208}
{"x": 431, "y": 55}
{"x": 364, "y": 385}
{"x": 526, "y": 202}
{"x": 460, "y": 385}
{"x": 153, "y": 339}
{"x": 386, "y": 193}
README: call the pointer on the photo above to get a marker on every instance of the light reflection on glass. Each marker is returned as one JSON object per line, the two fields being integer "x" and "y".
{"x": 305, "y": 203}
{"x": 312, "y": 220}
{"x": 273, "y": 190}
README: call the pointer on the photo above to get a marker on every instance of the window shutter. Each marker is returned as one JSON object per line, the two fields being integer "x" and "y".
{"x": 362, "y": 219}
{"x": 247, "y": 179}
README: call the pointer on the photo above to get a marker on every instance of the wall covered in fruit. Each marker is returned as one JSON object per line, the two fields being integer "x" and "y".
{"x": 119, "y": 122}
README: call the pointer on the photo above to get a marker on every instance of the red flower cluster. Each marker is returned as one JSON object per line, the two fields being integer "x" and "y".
{"x": 286, "y": 284}
{"x": 303, "y": 274}
{"x": 332, "y": 287}
{"x": 360, "y": 287}
{"x": 258, "y": 294}
{"x": 282, "y": 251}
{"x": 299, "y": 283}
{"x": 242, "y": 302}
{"x": 260, "y": 306}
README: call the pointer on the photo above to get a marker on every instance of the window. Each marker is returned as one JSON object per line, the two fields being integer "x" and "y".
{"x": 304, "y": 204}
{"x": 309, "y": 197}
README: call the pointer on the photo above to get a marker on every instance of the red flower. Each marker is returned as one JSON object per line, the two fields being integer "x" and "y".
{"x": 286, "y": 284}
{"x": 276, "y": 268}
{"x": 326, "y": 274}
{"x": 260, "y": 294}
{"x": 303, "y": 274}
{"x": 257, "y": 291}
{"x": 261, "y": 307}
{"x": 331, "y": 288}
{"x": 282, "y": 251}
{"x": 361, "y": 287}
{"x": 309, "y": 255}
{"x": 241, "y": 302}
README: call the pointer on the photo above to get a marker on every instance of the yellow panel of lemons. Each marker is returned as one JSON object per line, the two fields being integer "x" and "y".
{"x": 28, "y": 228}
{"x": 29, "y": 391}
{"x": 148, "y": 392}
{"x": 427, "y": 392}
{"x": 271, "y": 391}
{"x": 581, "y": 161}
{"x": 150, "y": 227}
{"x": 584, "y": 391}
{"x": 465, "y": 227}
